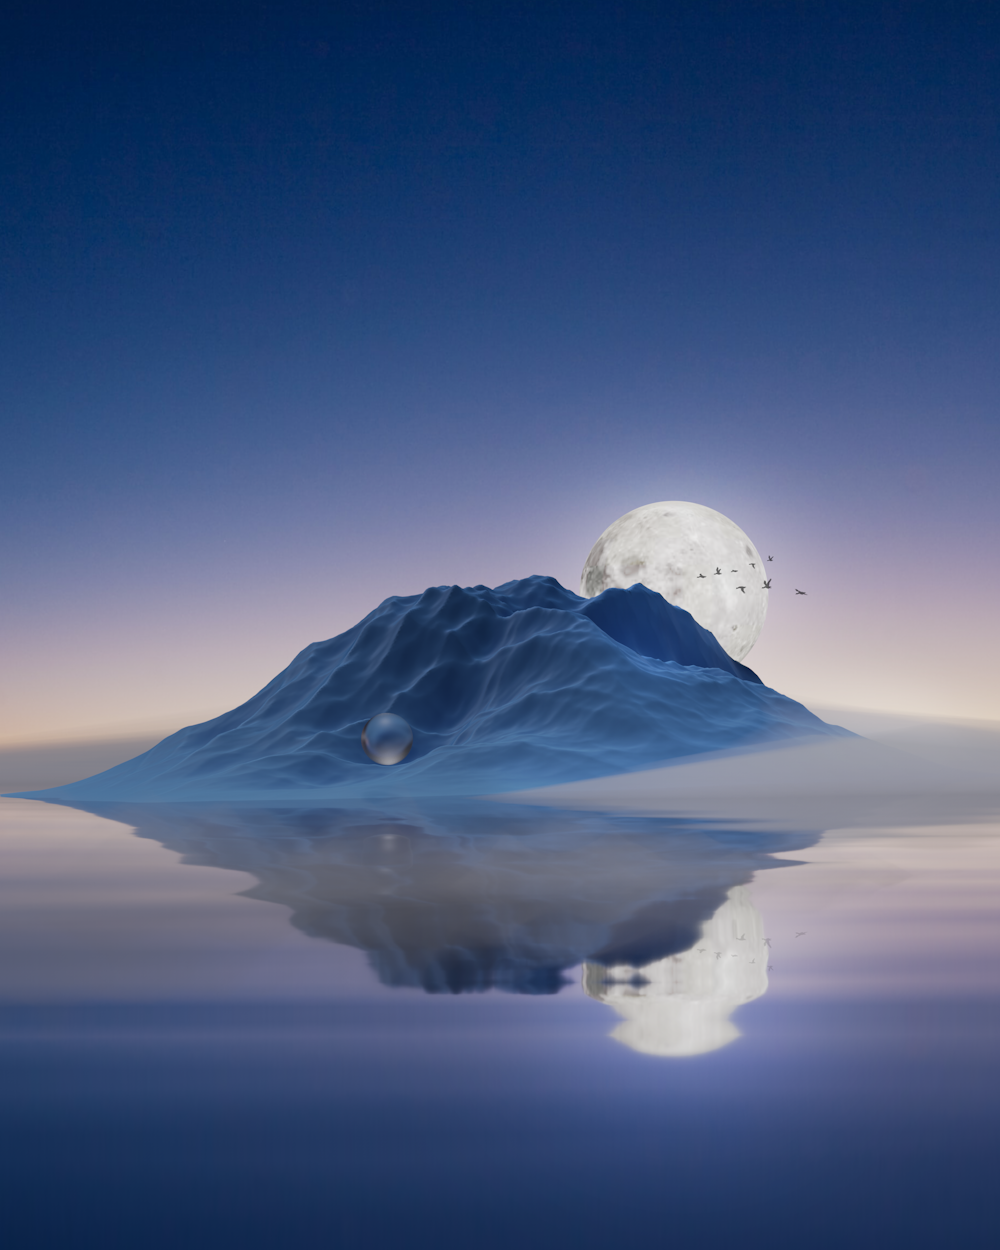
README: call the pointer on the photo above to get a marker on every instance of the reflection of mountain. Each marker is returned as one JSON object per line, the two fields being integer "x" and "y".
{"x": 681, "y": 1004}
{"x": 525, "y": 685}
{"x": 467, "y": 898}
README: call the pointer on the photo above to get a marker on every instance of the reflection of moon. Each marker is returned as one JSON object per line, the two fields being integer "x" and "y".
{"x": 666, "y": 546}
{"x": 681, "y": 1005}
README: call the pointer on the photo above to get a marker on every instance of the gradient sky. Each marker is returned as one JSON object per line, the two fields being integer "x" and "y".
{"x": 304, "y": 305}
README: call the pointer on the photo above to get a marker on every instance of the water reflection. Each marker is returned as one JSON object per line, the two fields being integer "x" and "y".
{"x": 471, "y": 897}
{"x": 681, "y": 1005}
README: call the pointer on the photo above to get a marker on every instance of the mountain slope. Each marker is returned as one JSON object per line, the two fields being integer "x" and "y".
{"x": 524, "y": 685}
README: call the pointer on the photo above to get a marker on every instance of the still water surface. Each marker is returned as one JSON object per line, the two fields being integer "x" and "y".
{"x": 490, "y": 1025}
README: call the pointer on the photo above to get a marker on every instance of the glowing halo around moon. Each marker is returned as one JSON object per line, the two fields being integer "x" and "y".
{"x": 696, "y": 558}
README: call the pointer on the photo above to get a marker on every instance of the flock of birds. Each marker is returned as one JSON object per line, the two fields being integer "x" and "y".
{"x": 767, "y": 581}
{"x": 703, "y": 950}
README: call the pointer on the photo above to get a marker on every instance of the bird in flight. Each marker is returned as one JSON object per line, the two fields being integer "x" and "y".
{"x": 800, "y": 592}
{"x": 802, "y": 934}
{"x": 702, "y": 950}
{"x": 734, "y": 570}
{"x": 770, "y": 558}
{"x": 767, "y": 584}
{"x": 770, "y": 967}
{"x": 718, "y": 571}
{"x": 767, "y": 943}
{"x": 743, "y": 588}
{"x": 718, "y": 954}
{"x": 701, "y": 575}
{"x": 742, "y": 937}
{"x": 752, "y": 565}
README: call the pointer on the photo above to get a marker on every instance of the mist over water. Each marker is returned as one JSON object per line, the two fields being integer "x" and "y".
{"x": 781, "y": 953}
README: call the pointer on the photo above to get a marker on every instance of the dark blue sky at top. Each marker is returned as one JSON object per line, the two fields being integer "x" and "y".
{"x": 347, "y": 282}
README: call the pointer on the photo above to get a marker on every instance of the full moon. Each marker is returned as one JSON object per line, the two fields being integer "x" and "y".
{"x": 696, "y": 558}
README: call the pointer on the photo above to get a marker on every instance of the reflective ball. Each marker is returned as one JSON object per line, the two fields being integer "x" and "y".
{"x": 387, "y": 738}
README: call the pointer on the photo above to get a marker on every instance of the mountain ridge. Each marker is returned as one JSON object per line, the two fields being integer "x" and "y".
{"x": 524, "y": 684}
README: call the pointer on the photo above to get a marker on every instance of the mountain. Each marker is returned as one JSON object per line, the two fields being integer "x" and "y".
{"x": 525, "y": 685}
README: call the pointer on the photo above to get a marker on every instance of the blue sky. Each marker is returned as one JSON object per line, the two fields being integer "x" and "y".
{"x": 305, "y": 305}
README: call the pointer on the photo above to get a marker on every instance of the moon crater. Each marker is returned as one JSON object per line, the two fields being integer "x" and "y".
{"x": 696, "y": 558}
